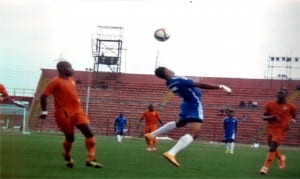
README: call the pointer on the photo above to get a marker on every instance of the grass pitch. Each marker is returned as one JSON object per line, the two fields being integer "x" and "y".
{"x": 40, "y": 156}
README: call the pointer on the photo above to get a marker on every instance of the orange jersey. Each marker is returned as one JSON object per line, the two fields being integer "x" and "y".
{"x": 3, "y": 91}
{"x": 151, "y": 117}
{"x": 283, "y": 112}
{"x": 65, "y": 95}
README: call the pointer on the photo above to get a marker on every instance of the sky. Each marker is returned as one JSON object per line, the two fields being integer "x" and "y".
{"x": 211, "y": 38}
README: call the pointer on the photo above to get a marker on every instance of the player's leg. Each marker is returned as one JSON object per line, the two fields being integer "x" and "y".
{"x": 67, "y": 146}
{"x": 118, "y": 132}
{"x": 281, "y": 158}
{"x": 163, "y": 129}
{"x": 121, "y": 133}
{"x": 64, "y": 124}
{"x": 231, "y": 146}
{"x": 169, "y": 126}
{"x": 147, "y": 139}
{"x": 153, "y": 147}
{"x": 183, "y": 142}
{"x": 269, "y": 158}
{"x": 227, "y": 148}
{"x": 118, "y": 137}
{"x": 231, "y": 143}
{"x": 90, "y": 144}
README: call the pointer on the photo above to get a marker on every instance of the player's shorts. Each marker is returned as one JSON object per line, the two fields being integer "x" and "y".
{"x": 66, "y": 122}
{"x": 229, "y": 137}
{"x": 276, "y": 135}
{"x": 120, "y": 130}
{"x": 191, "y": 112}
{"x": 150, "y": 128}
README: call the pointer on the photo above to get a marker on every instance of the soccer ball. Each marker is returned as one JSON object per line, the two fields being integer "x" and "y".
{"x": 161, "y": 34}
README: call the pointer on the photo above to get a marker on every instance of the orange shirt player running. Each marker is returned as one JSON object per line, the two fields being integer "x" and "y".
{"x": 68, "y": 113}
{"x": 279, "y": 113}
{"x": 151, "y": 117}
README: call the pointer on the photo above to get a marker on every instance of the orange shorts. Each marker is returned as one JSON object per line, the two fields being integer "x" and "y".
{"x": 276, "y": 135}
{"x": 66, "y": 122}
{"x": 149, "y": 129}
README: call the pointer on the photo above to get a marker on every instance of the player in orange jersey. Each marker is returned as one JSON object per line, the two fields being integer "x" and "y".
{"x": 68, "y": 113}
{"x": 151, "y": 117}
{"x": 279, "y": 113}
{"x": 3, "y": 93}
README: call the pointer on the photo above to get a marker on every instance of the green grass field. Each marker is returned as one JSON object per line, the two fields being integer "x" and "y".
{"x": 40, "y": 156}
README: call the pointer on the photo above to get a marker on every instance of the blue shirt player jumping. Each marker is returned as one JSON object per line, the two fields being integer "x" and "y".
{"x": 120, "y": 125}
{"x": 191, "y": 111}
{"x": 230, "y": 129}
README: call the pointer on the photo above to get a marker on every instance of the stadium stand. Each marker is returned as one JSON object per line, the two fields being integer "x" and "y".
{"x": 132, "y": 93}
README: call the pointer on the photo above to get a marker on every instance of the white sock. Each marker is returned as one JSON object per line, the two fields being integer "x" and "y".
{"x": 228, "y": 146}
{"x": 183, "y": 142}
{"x": 164, "y": 129}
{"x": 118, "y": 138}
{"x": 231, "y": 147}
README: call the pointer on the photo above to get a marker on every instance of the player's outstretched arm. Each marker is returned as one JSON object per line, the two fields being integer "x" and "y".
{"x": 212, "y": 86}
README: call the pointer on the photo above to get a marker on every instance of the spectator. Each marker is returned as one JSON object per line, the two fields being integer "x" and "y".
{"x": 242, "y": 104}
{"x": 244, "y": 117}
{"x": 249, "y": 104}
{"x": 221, "y": 112}
{"x": 254, "y": 104}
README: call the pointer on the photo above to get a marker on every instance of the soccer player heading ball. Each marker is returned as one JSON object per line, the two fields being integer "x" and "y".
{"x": 191, "y": 111}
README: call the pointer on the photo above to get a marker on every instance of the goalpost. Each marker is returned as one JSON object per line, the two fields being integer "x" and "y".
{"x": 13, "y": 119}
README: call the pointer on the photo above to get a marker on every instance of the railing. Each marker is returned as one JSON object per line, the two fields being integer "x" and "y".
{"x": 21, "y": 92}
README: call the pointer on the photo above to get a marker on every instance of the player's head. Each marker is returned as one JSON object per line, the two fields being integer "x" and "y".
{"x": 151, "y": 107}
{"x": 164, "y": 73}
{"x": 64, "y": 69}
{"x": 281, "y": 94}
{"x": 229, "y": 111}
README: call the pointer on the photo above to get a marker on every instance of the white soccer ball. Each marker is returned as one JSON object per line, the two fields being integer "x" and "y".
{"x": 161, "y": 34}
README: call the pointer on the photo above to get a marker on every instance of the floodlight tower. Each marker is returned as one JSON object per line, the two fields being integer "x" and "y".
{"x": 107, "y": 51}
{"x": 283, "y": 67}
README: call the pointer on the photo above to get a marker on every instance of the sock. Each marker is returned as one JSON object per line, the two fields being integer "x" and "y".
{"x": 118, "y": 138}
{"x": 183, "y": 142}
{"x": 227, "y": 147}
{"x": 278, "y": 154}
{"x": 153, "y": 143}
{"x": 67, "y": 148}
{"x": 269, "y": 159}
{"x": 90, "y": 145}
{"x": 231, "y": 146}
{"x": 164, "y": 129}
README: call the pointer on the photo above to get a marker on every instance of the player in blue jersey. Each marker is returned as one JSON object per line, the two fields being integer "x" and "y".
{"x": 230, "y": 128}
{"x": 120, "y": 126}
{"x": 191, "y": 111}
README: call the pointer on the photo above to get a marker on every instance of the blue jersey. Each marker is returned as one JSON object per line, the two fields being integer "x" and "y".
{"x": 191, "y": 106}
{"x": 230, "y": 127}
{"x": 120, "y": 123}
